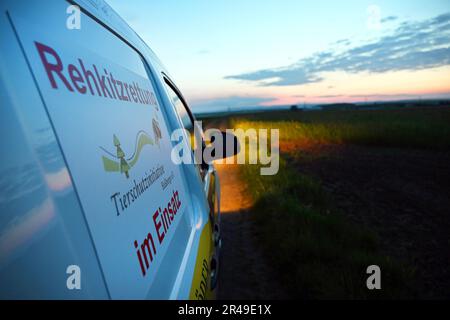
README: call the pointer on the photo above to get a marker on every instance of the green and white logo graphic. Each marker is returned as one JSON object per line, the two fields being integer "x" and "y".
{"x": 118, "y": 162}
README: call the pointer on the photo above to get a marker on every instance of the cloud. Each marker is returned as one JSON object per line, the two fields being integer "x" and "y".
{"x": 203, "y": 51}
{"x": 331, "y": 96}
{"x": 225, "y": 103}
{"x": 412, "y": 46}
{"x": 282, "y": 77}
{"x": 344, "y": 42}
{"x": 437, "y": 95}
{"x": 389, "y": 19}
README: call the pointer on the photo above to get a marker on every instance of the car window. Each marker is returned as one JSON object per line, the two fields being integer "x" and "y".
{"x": 186, "y": 117}
{"x": 181, "y": 109}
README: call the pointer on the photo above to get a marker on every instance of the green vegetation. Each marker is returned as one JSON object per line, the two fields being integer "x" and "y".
{"x": 427, "y": 128}
{"x": 319, "y": 254}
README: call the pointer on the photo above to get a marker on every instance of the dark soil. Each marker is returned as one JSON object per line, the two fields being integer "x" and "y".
{"x": 244, "y": 271}
{"x": 402, "y": 195}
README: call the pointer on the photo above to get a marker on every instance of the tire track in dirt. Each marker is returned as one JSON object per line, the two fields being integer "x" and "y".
{"x": 244, "y": 271}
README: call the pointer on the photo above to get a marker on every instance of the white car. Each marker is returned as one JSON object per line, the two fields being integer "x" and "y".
{"x": 91, "y": 204}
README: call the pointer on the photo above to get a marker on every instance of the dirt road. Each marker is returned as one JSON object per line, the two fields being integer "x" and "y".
{"x": 244, "y": 272}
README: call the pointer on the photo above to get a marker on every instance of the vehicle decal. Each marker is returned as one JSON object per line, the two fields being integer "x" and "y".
{"x": 115, "y": 143}
{"x": 201, "y": 282}
{"x": 118, "y": 163}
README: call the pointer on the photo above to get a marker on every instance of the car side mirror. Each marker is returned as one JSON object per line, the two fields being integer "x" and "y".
{"x": 221, "y": 145}
{"x": 231, "y": 147}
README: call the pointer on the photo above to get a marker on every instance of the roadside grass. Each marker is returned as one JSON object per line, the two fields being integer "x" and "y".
{"x": 318, "y": 253}
{"x": 427, "y": 128}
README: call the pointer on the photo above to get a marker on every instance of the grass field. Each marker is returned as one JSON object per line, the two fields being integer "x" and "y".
{"x": 318, "y": 252}
{"x": 411, "y": 128}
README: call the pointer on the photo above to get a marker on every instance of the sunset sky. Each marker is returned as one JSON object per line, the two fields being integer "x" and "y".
{"x": 252, "y": 52}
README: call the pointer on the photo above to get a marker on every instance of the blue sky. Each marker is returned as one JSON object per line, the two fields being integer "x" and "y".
{"x": 233, "y": 53}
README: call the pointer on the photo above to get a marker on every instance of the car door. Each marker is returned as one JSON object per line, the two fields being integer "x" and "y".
{"x": 206, "y": 171}
{"x": 110, "y": 127}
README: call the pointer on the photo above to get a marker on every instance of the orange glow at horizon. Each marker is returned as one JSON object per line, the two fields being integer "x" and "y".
{"x": 345, "y": 87}
{"x": 340, "y": 87}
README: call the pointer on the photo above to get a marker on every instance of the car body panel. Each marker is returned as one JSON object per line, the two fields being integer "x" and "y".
{"x": 70, "y": 151}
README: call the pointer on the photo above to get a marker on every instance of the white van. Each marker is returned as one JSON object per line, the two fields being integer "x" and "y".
{"x": 91, "y": 204}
